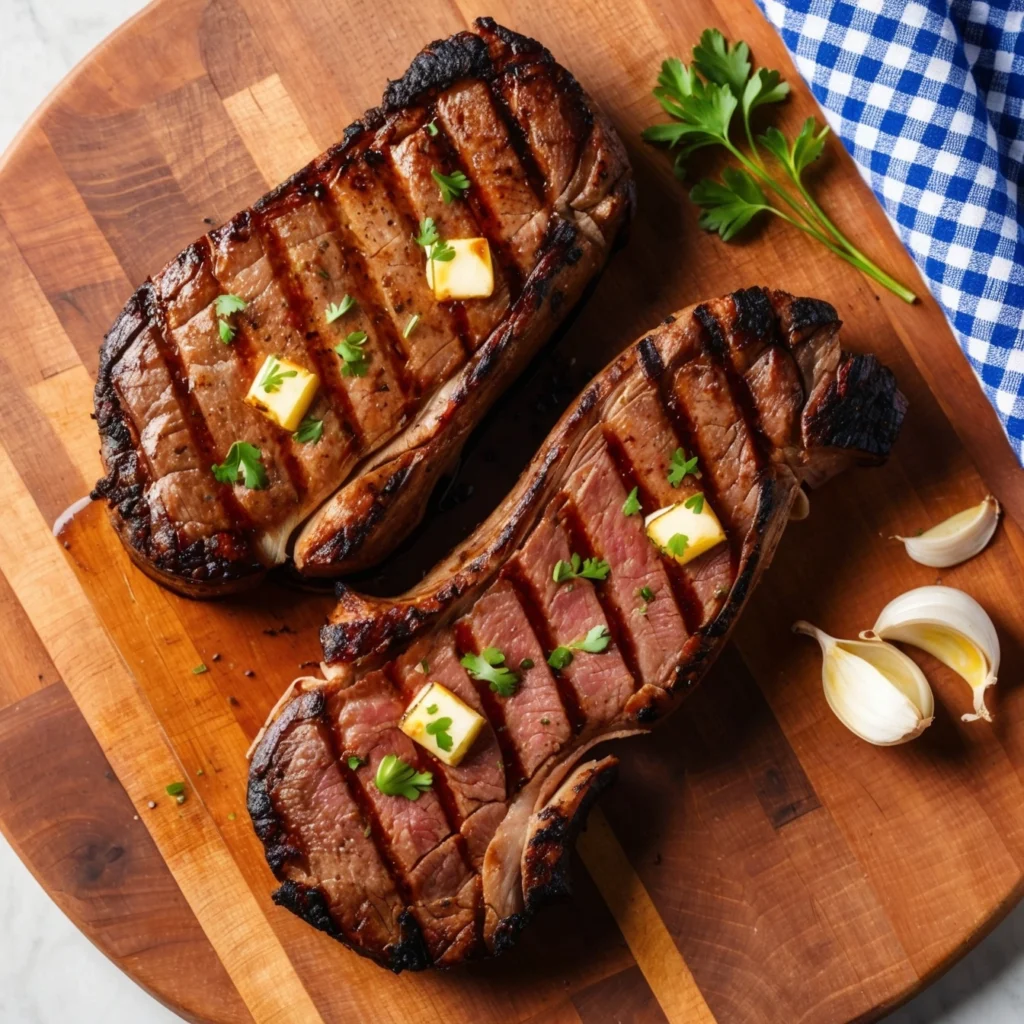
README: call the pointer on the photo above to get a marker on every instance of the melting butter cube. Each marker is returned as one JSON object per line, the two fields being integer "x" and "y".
{"x": 469, "y": 275}
{"x": 440, "y": 722}
{"x": 686, "y": 530}
{"x": 283, "y": 392}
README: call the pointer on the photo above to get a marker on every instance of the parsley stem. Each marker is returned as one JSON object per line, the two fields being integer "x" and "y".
{"x": 842, "y": 247}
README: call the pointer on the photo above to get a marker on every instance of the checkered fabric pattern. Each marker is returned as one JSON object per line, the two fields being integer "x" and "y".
{"x": 928, "y": 98}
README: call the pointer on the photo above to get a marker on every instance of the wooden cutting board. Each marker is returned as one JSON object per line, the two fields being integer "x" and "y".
{"x": 756, "y": 863}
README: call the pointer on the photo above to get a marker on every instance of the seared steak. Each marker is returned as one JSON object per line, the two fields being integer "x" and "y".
{"x": 550, "y": 188}
{"x": 755, "y": 386}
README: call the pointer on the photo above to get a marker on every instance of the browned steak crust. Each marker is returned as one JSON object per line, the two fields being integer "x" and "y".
{"x": 551, "y": 191}
{"x": 755, "y": 385}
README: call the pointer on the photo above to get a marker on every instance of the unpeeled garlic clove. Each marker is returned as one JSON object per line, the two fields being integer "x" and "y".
{"x": 956, "y": 539}
{"x": 951, "y": 626}
{"x": 873, "y": 688}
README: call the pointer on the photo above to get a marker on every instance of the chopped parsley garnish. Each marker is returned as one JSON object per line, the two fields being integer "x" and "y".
{"x": 592, "y": 569}
{"x": 677, "y": 544}
{"x": 596, "y": 641}
{"x": 439, "y": 730}
{"x": 354, "y": 360}
{"x": 431, "y": 128}
{"x": 695, "y": 503}
{"x": 177, "y": 790}
{"x": 646, "y": 593}
{"x": 680, "y": 467}
{"x": 545, "y": 720}
{"x": 489, "y": 667}
{"x": 431, "y": 242}
{"x": 526, "y": 663}
{"x": 631, "y": 506}
{"x": 355, "y": 762}
{"x": 245, "y": 460}
{"x": 396, "y": 778}
{"x": 225, "y": 306}
{"x": 336, "y": 310}
{"x": 199, "y": 670}
{"x": 411, "y": 326}
{"x": 432, "y": 710}
{"x": 310, "y": 431}
{"x": 273, "y": 376}
{"x": 452, "y": 186}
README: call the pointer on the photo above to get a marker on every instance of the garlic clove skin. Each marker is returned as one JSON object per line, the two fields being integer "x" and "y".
{"x": 956, "y": 539}
{"x": 951, "y": 626}
{"x": 873, "y": 688}
{"x": 801, "y": 506}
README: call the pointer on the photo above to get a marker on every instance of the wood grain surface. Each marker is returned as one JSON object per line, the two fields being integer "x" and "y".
{"x": 756, "y": 864}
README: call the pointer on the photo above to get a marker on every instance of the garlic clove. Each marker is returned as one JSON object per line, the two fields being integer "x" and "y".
{"x": 801, "y": 506}
{"x": 951, "y": 626}
{"x": 957, "y": 538}
{"x": 873, "y": 688}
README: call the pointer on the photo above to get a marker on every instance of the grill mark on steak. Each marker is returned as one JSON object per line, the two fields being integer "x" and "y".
{"x": 187, "y": 402}
{"x": 467, "y": 642}
{"x": 368, "y": 296}
{"x": 582, "y": 544}
{"x": 317, "y": 348}
{"x": 529, "y": 603}
{"x": 501, "y": 577}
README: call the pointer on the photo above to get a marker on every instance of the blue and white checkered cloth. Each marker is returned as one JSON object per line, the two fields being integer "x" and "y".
{"x": 928, "y": 99}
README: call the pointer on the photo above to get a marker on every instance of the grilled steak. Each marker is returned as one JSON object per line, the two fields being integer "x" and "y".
{"x": 756, "y": 386}
{"x": 550, "y": 188}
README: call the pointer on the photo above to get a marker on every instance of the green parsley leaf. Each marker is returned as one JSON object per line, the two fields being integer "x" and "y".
{"x": 432, "y": 710}
{"x": 245, "y": 460}
{"x": 354, "y": 360}
{"x": 354, "y": 762}
{"x": 592, "y": 569}
{"x": 199, "y": 670}
{"x": 646, "y": 593}
{"x": 431, "y": 127}
{"x": 489, "y": 667}
{"x": 680, "y": 467}
{"x": 695, "y": 503}
{"x": 441, "y": 252}
{"x": 677, "y": 544}
{"x": 225, "y": 305}
{"x": 324, "y": 273}
{"x": 526, "y": 663}
{"x": 396, "y": 778}
{"x": 764, "y": 87}
{"x": 439, "y": 730}
{"x": 411, "y": 325}
{"x": 226, "y": 332}
{"x": 336, "y": 310}
{"x": 452, "y": 186}
{"x": 721, "y": 63}
{"x": 596, "y": 641}
{"x": 807, "y": 147}
{"x": 428, "y": 233}
{"x": 728, "y": 208}
{"x": 631, "y": 506}
{"x": 310, "y": 431}
{"x": 175, "y": 789}
{"x": 273, "y": 376}
{"x": 545, "y": 720}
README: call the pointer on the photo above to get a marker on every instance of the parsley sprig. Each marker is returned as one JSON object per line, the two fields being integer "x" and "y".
{"x": 336, "y": 310}
{"x": 273, "y": 376}
{"x": 452, "y": 186}
{"x": 702, "y": 100}
{"x": 432, "y": 243}
{"x": 245, "y": 460}
{"x": 396, "y": 778}
{"x": 576, "y": 568}
{"x": 354, "y": 361}
{"x": 680, "y": 467}
{"x": 596, "y": 641}
{"x": 439, "y": 730}
{"x": 310, "y": 431}
{"x": 631, "y": 506}
{"x": 225, "y": 306}
{"x": 489, "y": 667}
{"x": 695, "y": 503}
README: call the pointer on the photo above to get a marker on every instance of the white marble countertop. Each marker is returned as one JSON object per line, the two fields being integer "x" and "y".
{"x": 49, "y": 972}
